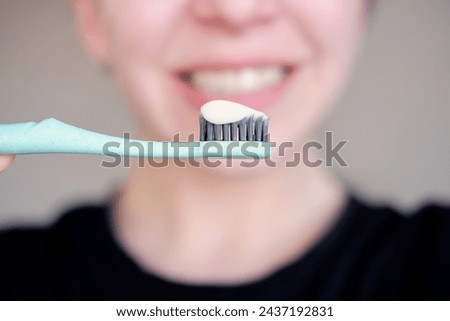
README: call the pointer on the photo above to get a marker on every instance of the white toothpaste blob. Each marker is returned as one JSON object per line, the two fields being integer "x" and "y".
{"x": 224, "y": 112}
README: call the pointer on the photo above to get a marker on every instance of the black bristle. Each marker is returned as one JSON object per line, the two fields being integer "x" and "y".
{"x": 226, "y": 132}
{"x": 250, "y": 129}
{"x": 265, "y": 137}
{"x": 209, "y": 131}
{"x": 202, "y": 129}
{"x": 247, "y": 129}
{"x": 258, "y": 129}
{"x": 217, "y": 132}
{"x": 234, "y": 129}
{"x": 242, "y": 130}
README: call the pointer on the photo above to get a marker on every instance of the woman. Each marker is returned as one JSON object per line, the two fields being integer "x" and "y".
{"x": 195, "y": 232}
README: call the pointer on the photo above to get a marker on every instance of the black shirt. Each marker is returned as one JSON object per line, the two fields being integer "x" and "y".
{"x": 371, "y": 253}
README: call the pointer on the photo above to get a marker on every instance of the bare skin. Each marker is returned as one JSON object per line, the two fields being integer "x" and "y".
{"x": 5, "y": 161}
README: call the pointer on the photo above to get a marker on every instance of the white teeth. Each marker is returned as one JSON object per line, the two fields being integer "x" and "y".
{"x": 235, "y": 82}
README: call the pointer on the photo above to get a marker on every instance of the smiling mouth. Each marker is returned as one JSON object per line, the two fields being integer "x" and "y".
{"x": 236, "y": 82}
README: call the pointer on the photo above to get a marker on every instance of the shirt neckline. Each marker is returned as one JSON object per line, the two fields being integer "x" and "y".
{"x": 300, "y": 269}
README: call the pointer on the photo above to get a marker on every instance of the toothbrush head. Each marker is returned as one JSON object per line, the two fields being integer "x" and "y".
{"x": 223, "y": 120}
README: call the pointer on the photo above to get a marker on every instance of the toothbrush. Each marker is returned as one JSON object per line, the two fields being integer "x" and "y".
{"x": 241, "y": 133}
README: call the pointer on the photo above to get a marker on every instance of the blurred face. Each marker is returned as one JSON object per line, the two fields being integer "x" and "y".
{"x": 287, "y": 58}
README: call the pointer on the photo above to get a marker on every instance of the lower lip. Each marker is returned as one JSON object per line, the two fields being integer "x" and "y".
{"x": 261, "y": 100}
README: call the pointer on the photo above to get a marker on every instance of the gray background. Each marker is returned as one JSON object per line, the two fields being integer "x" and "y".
{"x": 394, "y": 113}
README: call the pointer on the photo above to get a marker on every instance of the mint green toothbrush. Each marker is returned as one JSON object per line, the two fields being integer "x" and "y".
{"x": 53, "y": 136}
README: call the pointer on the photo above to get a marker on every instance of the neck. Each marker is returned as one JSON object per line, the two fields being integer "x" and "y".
{"x": 200, "y": 226}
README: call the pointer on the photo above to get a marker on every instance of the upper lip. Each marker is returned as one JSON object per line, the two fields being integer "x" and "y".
{"x": 221, "y": 61}
{"x": 231, "y": 65}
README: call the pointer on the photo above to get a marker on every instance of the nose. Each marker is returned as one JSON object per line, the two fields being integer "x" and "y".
{"x": 234, "y": 13}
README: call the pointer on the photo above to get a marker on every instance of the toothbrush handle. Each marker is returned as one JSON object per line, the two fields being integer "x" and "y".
{"x": 52, "y": 136}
